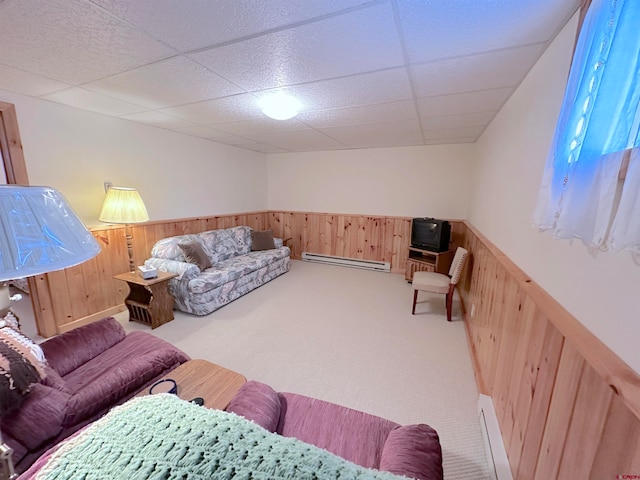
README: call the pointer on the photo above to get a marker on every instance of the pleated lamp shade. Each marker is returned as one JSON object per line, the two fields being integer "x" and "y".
{"x": 40, "y": 233}
{"x": 123, "y": 205}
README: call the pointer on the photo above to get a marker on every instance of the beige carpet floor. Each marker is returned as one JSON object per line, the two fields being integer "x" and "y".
{"x": 347, "y": 336}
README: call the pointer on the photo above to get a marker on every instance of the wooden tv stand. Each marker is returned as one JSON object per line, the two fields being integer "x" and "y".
{"x": 426, "y": 261}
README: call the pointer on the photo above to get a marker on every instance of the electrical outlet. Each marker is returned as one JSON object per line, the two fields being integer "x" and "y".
{"x": 473, "y": 310}
{"x": 107, "y": 186}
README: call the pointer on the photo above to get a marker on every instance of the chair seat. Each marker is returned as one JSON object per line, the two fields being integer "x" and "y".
{"x": 431, "y": 281}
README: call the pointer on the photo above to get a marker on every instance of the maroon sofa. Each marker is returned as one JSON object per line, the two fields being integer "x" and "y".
{"x": 90, "y": 369}
{"x": 373, "y": 442}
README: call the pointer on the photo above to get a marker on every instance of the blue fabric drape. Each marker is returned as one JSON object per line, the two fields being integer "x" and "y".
{"x": 598, "y": 120}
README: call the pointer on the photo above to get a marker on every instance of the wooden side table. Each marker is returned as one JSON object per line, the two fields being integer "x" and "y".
{"x": 426, "y": 261}
{"x": 216, "y": 385}
{"x": 149, "y": 301}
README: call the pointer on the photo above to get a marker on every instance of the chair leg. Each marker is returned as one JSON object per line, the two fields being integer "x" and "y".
{"x": 449, "y": 302}
{"x": 415, "y": 299}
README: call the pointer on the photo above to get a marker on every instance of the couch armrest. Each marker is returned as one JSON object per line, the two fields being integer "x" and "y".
{"x": 68, "y": 351}
{"x": 186, "y": 271}
{"x": 257, "y": 402}
{"x": 39, "y": 418}
{"x": 413, "y": 451}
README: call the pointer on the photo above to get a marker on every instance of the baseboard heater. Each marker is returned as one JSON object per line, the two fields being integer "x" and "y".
{"x": 347, "y": 262}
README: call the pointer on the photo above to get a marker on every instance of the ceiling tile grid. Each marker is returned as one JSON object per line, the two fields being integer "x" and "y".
{"x": 367, "y": 73}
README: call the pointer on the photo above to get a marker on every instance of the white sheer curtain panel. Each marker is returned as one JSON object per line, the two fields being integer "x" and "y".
{"x": 582, "y": 195}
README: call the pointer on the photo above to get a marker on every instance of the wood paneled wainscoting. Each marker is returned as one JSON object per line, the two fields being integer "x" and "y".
{"x": 380, "y": 238}
{"x": 75, "y": 296}
{"x": 79, "y": 295}
{"x": 568, "y": 407}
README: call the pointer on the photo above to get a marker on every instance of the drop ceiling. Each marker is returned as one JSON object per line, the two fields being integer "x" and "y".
{"x": 368, "y": 73}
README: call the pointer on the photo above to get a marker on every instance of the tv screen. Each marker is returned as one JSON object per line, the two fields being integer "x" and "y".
{"x": 430, "y": 234}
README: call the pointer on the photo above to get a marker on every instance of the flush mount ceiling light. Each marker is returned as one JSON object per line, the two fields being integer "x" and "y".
{"x": 279, "y": 106}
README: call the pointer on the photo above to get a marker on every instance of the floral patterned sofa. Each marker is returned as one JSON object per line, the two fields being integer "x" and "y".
{"x": 236, "y": 268}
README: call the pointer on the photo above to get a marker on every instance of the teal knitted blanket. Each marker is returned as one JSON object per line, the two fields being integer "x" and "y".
{"x": 161, "y": 436}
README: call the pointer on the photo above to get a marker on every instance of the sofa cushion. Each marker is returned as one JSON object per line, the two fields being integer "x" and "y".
{"x": 315, "y": 421}
{"x": 242, "y": 237}
{"x": 67, "y": 352}
{"x": 413, "y": 451}
{"x": 233, "y": 268}
{"x": 257, "y": 402}
{"x": 119, "y": 371}
{"x": 219, "y": 245}
{"x": 54, "y": 380}
{"x": 168, "y": 248}
{"x": 194, "y": 253}
{"x": 262, "y": 240}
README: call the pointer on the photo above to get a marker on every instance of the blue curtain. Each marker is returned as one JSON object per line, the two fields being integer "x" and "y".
{"x": 598, "y": 121}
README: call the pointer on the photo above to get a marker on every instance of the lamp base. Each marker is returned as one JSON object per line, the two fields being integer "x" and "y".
{"x": 5, "y": 300}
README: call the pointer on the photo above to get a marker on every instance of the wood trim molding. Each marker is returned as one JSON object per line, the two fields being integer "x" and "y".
{"x": 620, "y": 377}
{"x": 12, "y": 154}
{"x": 566, "y": 404}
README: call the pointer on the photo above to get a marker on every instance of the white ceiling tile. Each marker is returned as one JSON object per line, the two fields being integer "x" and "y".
{"x": 263, "y": 148}
{"x": 365, "y": 89}
{"x": 174, "y": 81}
{"x": 96, "y": 102}
{"x": 385, "y": 112}
{"x": 346, "y": 61}
{"x": 299, "y": 140}
{"x": 328, "y": 48}
{"x": 458, "y": 121}
{"x": 201, "y": 23}
{"x": 450, "y": 141}
{"x": 200, "y": 131}
{"x": 260, "y": 126}
{"x": 27, "y": 83}
{"x": 436, "y": 29}
{"x": 72, "y": 41}
{"x": 221, "y": 110}
{"x": 452, "y": 133}
{"x": 230, "y": 139}
{"x": 504, "y": 68}
{"x": 480, "y": 101}
{"x": 158, "y": 119}
{"x": 377, "y": 134}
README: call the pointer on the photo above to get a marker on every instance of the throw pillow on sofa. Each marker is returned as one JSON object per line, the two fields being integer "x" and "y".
{"x": 194, "y": 253}
{"x": 262, "y": 240}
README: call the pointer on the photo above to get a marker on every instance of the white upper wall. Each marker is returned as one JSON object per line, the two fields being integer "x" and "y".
{"x": 177, "y": 176}
{"x": 419, "y": 181}
{"x": 601, "y": 289}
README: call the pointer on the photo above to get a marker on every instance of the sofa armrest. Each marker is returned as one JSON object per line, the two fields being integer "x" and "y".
{"x": 257, "y": 402}
{"x": 68, "y": 351}
{"x": 413, "y": 451}
{"x": 39, "y": 418}
{"x": 186, "y": 271}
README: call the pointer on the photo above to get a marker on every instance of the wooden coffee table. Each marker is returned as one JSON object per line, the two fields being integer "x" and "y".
{"x": 199, "y": 378}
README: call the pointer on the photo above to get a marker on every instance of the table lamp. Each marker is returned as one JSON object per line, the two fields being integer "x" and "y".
{"x": 124, "y": 205}
{"x": 39, "y": 233}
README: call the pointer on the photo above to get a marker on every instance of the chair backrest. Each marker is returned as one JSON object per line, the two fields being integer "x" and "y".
{"x": 458, "y": 263}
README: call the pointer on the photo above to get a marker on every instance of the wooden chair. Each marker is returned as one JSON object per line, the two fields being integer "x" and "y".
{"x": 440, "y": 283}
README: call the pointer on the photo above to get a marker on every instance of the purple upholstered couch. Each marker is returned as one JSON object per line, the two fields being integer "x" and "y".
{"x": 90, "y": 369}
{"x": 373, "y": 442}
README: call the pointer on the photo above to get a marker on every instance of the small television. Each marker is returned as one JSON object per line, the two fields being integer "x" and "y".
{"x": 430, "y": 234}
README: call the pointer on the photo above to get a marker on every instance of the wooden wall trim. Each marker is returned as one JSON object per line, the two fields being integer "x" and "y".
{"x": 561, "y": 396}
{"x": 13, "y": 156}
{"x": 620, "y": 377}
{"x": 78, "y": 295}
